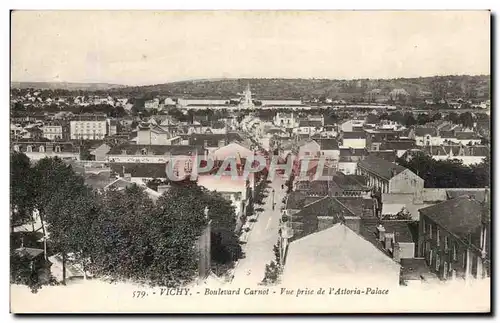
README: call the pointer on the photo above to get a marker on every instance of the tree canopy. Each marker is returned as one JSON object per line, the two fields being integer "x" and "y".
{"x": 448, "y": 173}
{"x": 123, "y": 234}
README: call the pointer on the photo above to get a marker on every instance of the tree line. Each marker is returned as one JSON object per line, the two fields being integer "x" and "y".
{"x": 448, "y": 173}
{"x": 119, "y": 234}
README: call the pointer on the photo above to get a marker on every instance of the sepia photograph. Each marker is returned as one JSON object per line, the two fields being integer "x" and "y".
{"x": 250, "y": 161}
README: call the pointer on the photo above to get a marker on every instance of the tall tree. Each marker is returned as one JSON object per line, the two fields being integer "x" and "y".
{"x": 22, "y": 189}
{"x": 50, "y": 175}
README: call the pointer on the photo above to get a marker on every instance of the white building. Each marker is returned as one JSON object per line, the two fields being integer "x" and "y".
{"x": 52, "y": 131}
{"x": 90, "y": 127}
{"x": 337, "y": 255}
{"x": 287, "y": 120}
{"x": 352, "y": 125}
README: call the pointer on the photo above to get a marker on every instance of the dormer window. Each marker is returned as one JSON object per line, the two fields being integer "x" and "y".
{"x": 144, "y": 151}
{"x": 41, "y": 149}
{"x": 29, "y": 149}
{"x": 58, "y": 149}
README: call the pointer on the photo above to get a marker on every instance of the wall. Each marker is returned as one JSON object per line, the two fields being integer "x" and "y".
{"x": 324, "y": 222}
{"x": 348, "y": 168}
{"x": 312, "y": 148}
{"x": 331, "y": 154}
{"x": 406, "y": 182}
{"x": 464, "y": 260}
{"x": 52, "y": 132}
{"x": 95, "y": 129}
{"x": 407, "y": 249}
{"x": 433, "y": 141}
{"x": 353, "y": 223}
{"x": 62, "y": 155}
{"x": 354, "y": 143}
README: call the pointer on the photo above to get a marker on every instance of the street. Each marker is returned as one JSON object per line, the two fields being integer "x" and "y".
{"x": 262, "y": 238}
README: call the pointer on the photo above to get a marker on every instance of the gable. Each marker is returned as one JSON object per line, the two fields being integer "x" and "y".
{"x": 408, "y": 174}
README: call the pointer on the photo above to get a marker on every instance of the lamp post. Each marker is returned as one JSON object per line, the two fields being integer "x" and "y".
{"x": 273, "y": 199}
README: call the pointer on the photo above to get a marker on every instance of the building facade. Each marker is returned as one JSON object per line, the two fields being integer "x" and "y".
{"x": 455, "y": 239}
{"x": 90, "y": 127}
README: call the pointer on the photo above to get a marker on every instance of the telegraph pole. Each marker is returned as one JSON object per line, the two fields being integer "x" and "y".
{"x": 273, "y": 198}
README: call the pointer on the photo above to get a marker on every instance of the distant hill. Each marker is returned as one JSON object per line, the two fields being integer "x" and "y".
{"x": 66, "y": 86}
{"x": 438, "y": 86}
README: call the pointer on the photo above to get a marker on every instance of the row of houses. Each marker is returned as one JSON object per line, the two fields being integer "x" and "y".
{"x": 393, "y": 240}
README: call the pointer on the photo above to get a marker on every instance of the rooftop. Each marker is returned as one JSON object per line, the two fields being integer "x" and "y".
{"x": 132, "y": 149}
{"x": 461, "y": 215}
{"x": 336, "y": 253}
{"x": 381, "y": 167}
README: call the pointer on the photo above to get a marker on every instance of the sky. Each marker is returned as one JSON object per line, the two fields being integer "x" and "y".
{"x": 146, "y": 47}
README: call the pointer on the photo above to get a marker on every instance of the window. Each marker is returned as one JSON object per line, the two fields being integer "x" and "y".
{"x": 424, "y": 226}
{"x": 41, "y": 149}
{"x": 454, "y": 252}
{"x": 58, "y": 149}
{"x": 144, "y": 151}
{"x": 307, "y": 153}
{"x": 437, "y": 237}
{"x": 430, "y": 231}
{"x": 29, "y": 149}
{"x": 446, "y": 243}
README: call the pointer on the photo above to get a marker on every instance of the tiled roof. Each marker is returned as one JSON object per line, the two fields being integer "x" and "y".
{"x": 388, "y": 155}
{"x": 310, "y": 123}
{"x": 334, "y": 255}
{"x": 349, "y": 152}
{"x": 296, "y": 200}
{"x": 381, "y": 167}
{"x": 460, "y": 216}
{"x": 354, "y": 135}
{"x": 349, "y": 182}
{"x": 358, "y": 206}
{"x": 313, "y": 187}
{"x": 139, "y": 169}
{"x": 328, "y": 144}
{"x": 212, "y": 140}
{"x": 398, "y": 144}
{"x": 131, "y": 149}
{"x": 421, "y": 132}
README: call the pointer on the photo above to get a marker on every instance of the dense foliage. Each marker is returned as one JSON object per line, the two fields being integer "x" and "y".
{"x": 120, "y": 234}
{"x": 448, "y": 173}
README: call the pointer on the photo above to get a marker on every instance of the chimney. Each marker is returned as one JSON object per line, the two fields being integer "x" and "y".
{"x": 164, "y": 188}
{"x": 353, "y": 223}
{"x": 389, "y": 238}
{"x": 396, "y": 253}
{"x": 381, "y": 233}
{"x": 127, "y": 177}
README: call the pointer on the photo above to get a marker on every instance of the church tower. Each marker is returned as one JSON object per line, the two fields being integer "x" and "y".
{"x": 247, "y": 99}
